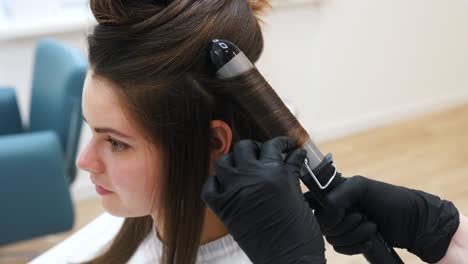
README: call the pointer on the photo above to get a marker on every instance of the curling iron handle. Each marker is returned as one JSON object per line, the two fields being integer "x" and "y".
{"x": 327, "y": 175}
{"x": 382, "y": 252}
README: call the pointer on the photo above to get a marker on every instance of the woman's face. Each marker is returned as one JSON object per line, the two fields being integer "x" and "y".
{"x": 117, "y": 157}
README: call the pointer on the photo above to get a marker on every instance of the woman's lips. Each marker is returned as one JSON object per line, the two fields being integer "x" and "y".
{"x": 100, "y": 190}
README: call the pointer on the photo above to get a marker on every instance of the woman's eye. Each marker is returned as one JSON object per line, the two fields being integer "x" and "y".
{"x": 116, "y": 146}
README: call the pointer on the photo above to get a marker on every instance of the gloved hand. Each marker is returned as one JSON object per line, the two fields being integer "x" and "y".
{"x": 418, "y": 221}
{"x": 256, "y": 194}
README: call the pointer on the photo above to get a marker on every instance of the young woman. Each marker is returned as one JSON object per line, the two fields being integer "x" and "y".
{"x": 160, "y": 120}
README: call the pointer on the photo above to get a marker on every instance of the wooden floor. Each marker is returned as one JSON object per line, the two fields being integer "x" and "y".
{"x": 428, "y": 153}
{"x": 23, "y": 252}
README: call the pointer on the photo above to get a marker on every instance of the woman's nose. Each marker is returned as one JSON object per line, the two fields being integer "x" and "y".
{"x": 88, "y": 160}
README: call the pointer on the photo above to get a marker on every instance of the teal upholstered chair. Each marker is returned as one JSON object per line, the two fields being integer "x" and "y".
{"x": 37, "y": 161}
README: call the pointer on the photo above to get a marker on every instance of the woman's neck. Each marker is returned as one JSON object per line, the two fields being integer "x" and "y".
{"x": 212, "y": 228}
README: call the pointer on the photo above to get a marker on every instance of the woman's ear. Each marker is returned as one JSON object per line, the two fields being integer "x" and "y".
{"x": 221, "y": 139}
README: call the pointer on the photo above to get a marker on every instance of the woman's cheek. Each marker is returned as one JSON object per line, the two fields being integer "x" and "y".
{"x": 132, "y": 177}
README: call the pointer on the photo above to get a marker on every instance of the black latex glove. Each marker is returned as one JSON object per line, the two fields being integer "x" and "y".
{"x": 418, "y": 221}
{"x": 257, "y": 196}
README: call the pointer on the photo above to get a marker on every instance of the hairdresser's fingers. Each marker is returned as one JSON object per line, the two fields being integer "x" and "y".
{"x": 294, "y": 161}
{"x": 211, "y": 189}
{"x": 361, "y": 234}
{"x": 245, "y": 153}
{"x": 329, "y": 219}
{"x": 349, "y": 193}
{"x": 354, "y": 249}
{"x": 272, "y": 149}
{"x": 296, "y": 158}
{"x": 224, "y": 166}
{"x": 350, "y": 221}
{"x": 225, "y": 161}
{"x": 313, "y": 203}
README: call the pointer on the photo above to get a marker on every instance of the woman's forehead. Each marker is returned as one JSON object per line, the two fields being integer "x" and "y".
{"x": 101, "y": 106}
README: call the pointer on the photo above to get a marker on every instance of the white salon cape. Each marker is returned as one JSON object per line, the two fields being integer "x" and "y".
{"x": 89, "y": 241}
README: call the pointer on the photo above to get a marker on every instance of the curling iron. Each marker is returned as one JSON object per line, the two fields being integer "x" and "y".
{"x": 318, "y": 173}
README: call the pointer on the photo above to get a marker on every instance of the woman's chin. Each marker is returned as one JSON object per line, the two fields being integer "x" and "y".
{"x": 118, "y": 210}
{"x": 113, "y": 207}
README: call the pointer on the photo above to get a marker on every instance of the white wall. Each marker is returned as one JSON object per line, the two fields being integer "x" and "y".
{"x": 290, "y": 61}
{"x": 347, "y": 66}
{"x": 386, "y": 60}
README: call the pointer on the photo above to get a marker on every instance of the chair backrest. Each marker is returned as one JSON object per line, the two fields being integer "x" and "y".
{"x": 58, "y": 78}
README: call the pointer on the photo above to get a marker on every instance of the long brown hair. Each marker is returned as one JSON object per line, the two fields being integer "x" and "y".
{"x": 155, "y": 52}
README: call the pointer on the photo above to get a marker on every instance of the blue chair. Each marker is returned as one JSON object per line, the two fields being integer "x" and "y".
{"x": 37, "y": 162}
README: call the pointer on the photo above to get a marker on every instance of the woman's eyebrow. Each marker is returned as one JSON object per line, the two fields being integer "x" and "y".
{"x": 110, "y": 130}
{"x": 101, "y": 130}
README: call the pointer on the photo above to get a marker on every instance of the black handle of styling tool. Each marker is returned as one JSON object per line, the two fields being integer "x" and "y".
{"x": 318, "y": 173}
{"x": 380, "y": 252}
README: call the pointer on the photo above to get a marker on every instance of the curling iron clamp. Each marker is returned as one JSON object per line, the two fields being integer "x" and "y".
{"x": 319, "y": 173}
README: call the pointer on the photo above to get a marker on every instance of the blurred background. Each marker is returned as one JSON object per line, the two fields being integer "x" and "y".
{"x": 383, "y": 85}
